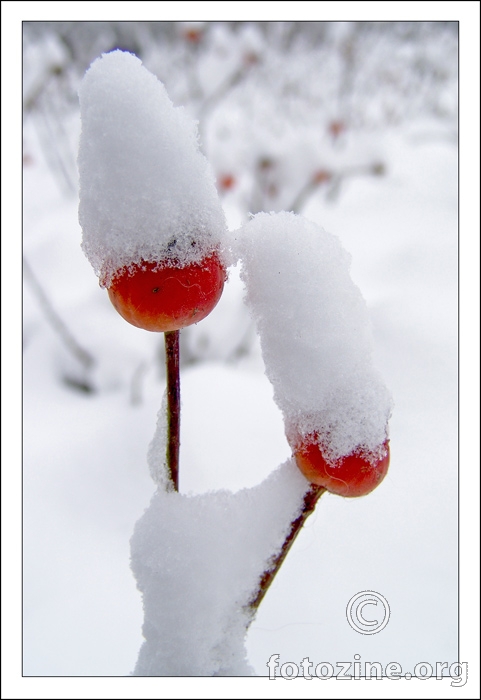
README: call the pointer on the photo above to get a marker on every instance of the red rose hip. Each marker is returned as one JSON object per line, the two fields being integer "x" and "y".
{"x": 356, "y": 474}
{"x": 164, "y": 297}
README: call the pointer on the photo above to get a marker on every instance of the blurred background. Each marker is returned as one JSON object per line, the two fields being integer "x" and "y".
{"x": 290, "y": 114}
{"x": 352, "y": 124}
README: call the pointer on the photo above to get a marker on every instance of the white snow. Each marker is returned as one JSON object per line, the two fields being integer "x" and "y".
{"x": 315, "y": 333}
{"x": 198, "y": 561}
{"x": 195, "y": 625}
{"x": 86, "y": 481}
{"x": 198, "y": 558}
{"x": 146, "y": 191}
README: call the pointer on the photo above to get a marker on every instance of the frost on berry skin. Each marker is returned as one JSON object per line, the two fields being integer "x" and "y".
{"x": 316, "y": 338}
{"x": 147, "y": 193}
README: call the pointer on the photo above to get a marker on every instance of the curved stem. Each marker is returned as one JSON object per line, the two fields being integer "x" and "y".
{"x": 173, "y": 404}
{"x": 310, "y": 500}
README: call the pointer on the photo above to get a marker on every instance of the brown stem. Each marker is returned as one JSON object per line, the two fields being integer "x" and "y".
{"x": 310, "y": 500}
{"x": 173, "y": 404}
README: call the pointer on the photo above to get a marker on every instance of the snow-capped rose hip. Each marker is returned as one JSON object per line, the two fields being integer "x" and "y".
{"x": 356, "y": 474}
{"x": 149, "y": 209}
{"x": 166, "y": 297}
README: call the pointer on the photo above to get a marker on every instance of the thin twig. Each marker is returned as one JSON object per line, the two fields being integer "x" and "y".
{"x": 83, "y": 356}
{"x": 229, "y": 84}
{"x": 310, "y": 500}
{"x": 173, "y": 404}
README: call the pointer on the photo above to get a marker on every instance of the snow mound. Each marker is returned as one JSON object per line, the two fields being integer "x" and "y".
{"x": 146, "y": 191}
{"x": 198, "y": 561}
{"x": 315, "y": 333}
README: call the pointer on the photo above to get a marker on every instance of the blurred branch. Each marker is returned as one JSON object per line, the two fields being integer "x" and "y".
{"x": 319, "y": 178}
{"x": 56, "y": 322}
{"x": 229, "y": 84}
{"x": 333, "y": 179}
{"x": 55, "y": 146}
{"x": 264, "y": 183}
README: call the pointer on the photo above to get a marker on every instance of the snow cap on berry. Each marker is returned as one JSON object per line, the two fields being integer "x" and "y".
{"x": 146, "y": 191}
{"x": 315, "y": 334}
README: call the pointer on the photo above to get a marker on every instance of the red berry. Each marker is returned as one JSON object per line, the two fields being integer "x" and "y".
{"x": 321, "y": 176}
{"x": 226, "y": 182}
{"x": 251, "y": 58}
{"x": 356, "y": 474}
{"x": 336, "y": 128}
{"x": 162, "y": 297}
{"x": 193, "y": 36}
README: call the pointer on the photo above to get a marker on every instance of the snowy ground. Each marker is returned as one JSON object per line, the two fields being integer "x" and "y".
{"x": 86, "y": 479}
